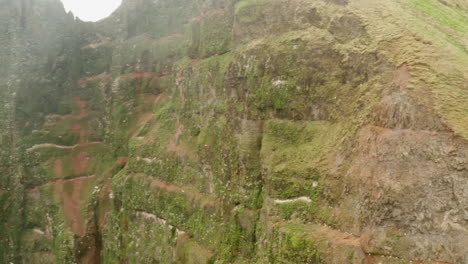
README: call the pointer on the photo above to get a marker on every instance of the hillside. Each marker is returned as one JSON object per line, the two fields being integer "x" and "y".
{"x": 235, "y": 131}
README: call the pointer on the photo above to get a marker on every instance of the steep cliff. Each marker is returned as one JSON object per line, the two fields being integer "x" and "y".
{"x": 235, "y": 131}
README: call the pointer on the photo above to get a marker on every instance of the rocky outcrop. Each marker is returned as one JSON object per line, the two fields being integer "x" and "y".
{"x": 252, "y": 131}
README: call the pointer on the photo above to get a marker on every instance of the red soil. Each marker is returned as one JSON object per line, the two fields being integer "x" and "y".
{"x": 146, "y": 101}
{"x": 80, "y": 163}
{"x": 96, "y": 45}
{"x": 167, "y": 186}
{"x": 121, "y": 162}
{"x": 340, "y": 238}
{"x": 189, "y": 192}
{"x": 83, "y": 82}
{"x": 144, "y": 118}
{"x": 402, "y": 76}
{"x": 58, "y": 168}
{"x": 71, "y": 202}
{"x": 141, "y": 120}
{"x": 138, "y": 75}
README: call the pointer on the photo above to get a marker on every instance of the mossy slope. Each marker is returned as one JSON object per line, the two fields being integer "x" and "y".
{"x": 248, "y": 131}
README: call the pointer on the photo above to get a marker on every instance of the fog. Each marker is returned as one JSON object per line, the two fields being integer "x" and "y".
{"x": 91, "y": 10}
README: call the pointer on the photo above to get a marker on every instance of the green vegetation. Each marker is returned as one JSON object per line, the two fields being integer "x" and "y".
{"x": 292, "y": 245}
{"x": 249, "y": 11}
{"x": 455, "y": 19}
{"x": 210, "y": 36}
{"x": 211, "y": 149}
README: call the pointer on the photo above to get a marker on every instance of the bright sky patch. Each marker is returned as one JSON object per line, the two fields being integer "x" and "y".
{"x": 91, "y": 10}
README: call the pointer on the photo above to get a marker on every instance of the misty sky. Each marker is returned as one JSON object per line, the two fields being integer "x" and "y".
{"x": 91, "y": 10}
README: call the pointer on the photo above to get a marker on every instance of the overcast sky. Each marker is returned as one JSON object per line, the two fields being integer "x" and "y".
{"x": 91, "y": 10}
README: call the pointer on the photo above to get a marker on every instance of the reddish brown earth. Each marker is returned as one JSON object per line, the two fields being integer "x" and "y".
{"x": 97, "y": 45}
{"x": 175, "y": 146}
{"x": 145, "y": 102}
{"x": 142, "y": 119}
{"x": 188, "y": 191}
{"x": 139, "y": 75}
{"x": 402, "y": 76}
{"x": 72, "y": 203}
{"x": 147, "y": 99}
{"x": 340, "y": 238}
{"x": 83, "y": 82}
{"x": 166, "y": 186}
{"x": 80, "y": 162}
{"x": 92, "y": 256}
{"x": 58, "y": 168}
{"x": 121, "y": 162}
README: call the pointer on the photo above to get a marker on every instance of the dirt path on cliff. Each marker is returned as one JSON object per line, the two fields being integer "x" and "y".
{"x": 71, "y": 195}
{"x": 48, "y": 145}
{"x": 339, "y": 237}
{"x": 191, "y": 193}
{"x": 72, "y": 200}
{"x": 77, "y": 128}
{"x": 58, "y": 168}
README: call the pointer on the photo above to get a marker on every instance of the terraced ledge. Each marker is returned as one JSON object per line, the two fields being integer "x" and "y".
{"x": 149, "y": 160}
{"x": 299, "y": 199}
{"x": 335, "y": 242}
{"x": 60, "y": 180}
{"x": 49, "y": 145}
{"x": 151, "y": 217}
{"x": 38, "y": 231}
{"x": 188, "y": 191}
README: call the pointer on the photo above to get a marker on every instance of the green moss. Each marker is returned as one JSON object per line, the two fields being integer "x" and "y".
{"x": 210, "y": 36}
{"x": 64, "y": 109}
{"x": 291, "y": 244}
{"x": 95, "y": 61}
{"x": 232, "y": 243}
{"x": 268, "y": 96}
{"x": 63, "y": 241}
{"x": 301, "y": 210}
{"x": 293, "y": 153}
{"x": 95, "y": 93}
{"x": 453, "y": 18}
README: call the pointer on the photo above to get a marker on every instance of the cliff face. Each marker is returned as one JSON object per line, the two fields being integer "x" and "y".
{"x": 223, "y": 131}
